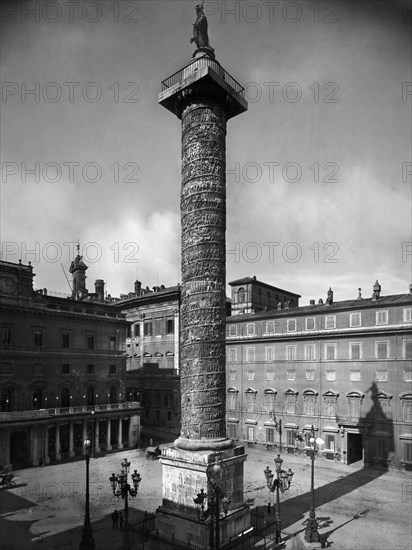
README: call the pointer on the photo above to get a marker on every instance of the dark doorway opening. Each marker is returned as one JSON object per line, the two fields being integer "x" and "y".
{"x": 355, "y": 447}
{"x": 19, "y": 451}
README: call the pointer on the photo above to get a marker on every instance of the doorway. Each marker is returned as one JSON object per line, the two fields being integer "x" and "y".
{"x": 355, "y": 447}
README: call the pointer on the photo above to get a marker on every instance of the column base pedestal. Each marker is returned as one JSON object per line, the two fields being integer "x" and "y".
{"x": 184, "y": 474}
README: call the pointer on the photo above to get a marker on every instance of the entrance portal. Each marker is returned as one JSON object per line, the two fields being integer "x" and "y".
{"x": 355, "y": 447}
{"x": 19, "y": 452}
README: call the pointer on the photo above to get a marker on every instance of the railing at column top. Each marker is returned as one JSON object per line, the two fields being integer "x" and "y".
{"x": 45, "y": 413}
{"x": 199, "y": 63}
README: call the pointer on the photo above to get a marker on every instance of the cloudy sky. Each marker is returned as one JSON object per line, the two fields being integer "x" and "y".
{"x": 318, "y": 168}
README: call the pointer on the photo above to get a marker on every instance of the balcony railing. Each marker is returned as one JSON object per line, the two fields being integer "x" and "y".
{"x": 60, "y": 411}
{"x": 199, "y": 63}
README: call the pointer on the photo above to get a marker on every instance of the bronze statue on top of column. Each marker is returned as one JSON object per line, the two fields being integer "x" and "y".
{"x": 200, "y": 36}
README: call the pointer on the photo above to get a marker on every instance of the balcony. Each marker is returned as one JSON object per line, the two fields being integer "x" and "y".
{"x": 43, "y": 414}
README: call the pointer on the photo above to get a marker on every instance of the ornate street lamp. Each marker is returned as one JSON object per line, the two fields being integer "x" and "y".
{"x": 282, "y": 484}
{"x": 218, "y": 502}
{"x": 87, "y": 541}
{"x": 121, "y": 487}
{"x": 311, "y": 531}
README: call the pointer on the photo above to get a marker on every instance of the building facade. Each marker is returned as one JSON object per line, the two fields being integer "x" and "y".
{"x": 152, "y": 357}
{"x": 343, "y": 367}
{"x": 63, "y": 372}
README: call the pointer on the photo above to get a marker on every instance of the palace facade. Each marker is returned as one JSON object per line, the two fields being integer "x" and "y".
{"x": 63, "y": 371}
{"x": 342, "y": 367}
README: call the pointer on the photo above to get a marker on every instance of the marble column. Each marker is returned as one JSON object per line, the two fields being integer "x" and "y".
{"x": 96, "y": 437}
{"x": 109, "y": 435}
{"x": 71, "y": 447}
{"x": 57, "y": 443}
{"x": 46, "y": 456}
{"x": 84, "y": 437}
{"x": 120, "y": 434}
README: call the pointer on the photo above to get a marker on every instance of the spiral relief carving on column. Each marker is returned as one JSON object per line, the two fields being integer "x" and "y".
{"x": 203, "y": 296}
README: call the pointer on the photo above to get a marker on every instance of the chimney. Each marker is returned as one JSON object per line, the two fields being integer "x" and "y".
{"x": 99, "y": 289}
{"x": 410, "y": 289}
{"x": 312, "y": 302}
{"x": 360, "y": 294}
{"x": 320, "y": 302}
{"x": 376, "y": 291}
{"x": 137, "y": 287}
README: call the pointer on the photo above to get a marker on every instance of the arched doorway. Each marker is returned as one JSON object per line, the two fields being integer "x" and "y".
{"x": 90, "y": 396}
{"x": 113, "y": 394}
{"x": 19, "y": 449}
{"x": 37, "y": 399}
{"x": 65, "y": 397}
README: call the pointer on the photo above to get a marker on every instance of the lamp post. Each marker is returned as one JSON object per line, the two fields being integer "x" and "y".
{"x": 281, "y": 483}
{"x": 124, "y": 490}
{"x": 311, "y": 531}
{"x": 87, "y": 541}
{"x": 217, "y": 502}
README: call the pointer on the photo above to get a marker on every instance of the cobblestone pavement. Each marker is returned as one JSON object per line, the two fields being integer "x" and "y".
{"x": 46, "y": 508}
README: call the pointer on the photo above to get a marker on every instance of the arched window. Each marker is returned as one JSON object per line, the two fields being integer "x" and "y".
{"x": 6, "y": 401}
{"x": 65, "y": 397}
{"x": 113, "y": 394}
{"x": 37, "y": 399}
{"x": 90, "y": 396}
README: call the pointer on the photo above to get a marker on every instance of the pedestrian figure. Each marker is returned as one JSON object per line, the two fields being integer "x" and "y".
{"x": 121, "y": 519}
{"x": 115, "y": 519}
{"x": 269, "y": 509}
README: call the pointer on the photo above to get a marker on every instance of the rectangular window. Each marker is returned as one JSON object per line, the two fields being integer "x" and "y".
{"x": 250, "y": 374}
{"x": 330, "y": 376}
{"x": 170, "y": 326}
{"x": 232, "y": 431}
{"x": 354, "y": 407}
{"x": 90, "y": 341}
{"x": 65, "y": 340}
{"x": 113, "y": 369}
{"x": 309, "y": 405}
{"x": 270, "y": 327}
{"x": 270, "y": 354}
{"x": 38, "y": 338}
{"x": 291, "y": 375}
{"x": 136, "y": 329}
{"x": 231, "y": 400}
{"x": 310, "y": 374}
{"x": 381, "y": 376}
{"x": 407, "y": 375}
{"x": 250, "y": 433}
{"x": 310, "y": 353}
{"x": 407, "y": 314}
{"x": 251, "y": 329}
{"x": 407, "y": 410}
{"x": 382, "y": 317}
{"x": 355, "y": 320}
{"x": 147, "y": 328}
{"x": 330, "y": 321}
{"x": 65, "y": 368}
{"x": 407, "y": 451}
{"x": 290, "y": 353}
{"x": 232, "y": 330}
{"x": 5, "y": 368}
{"x": 291, "y": 325}
{"x": 270, "y": 375}
{"x": 232, "y": 355}
{"x": 355, "y": 350}
{"x": 330, "y": 352}
{"x": 158, "y": 326}
{"x": 310, "y": 323}
{"x": 168, "y": 400}
{"x": 6, "y": 336}
{"x": 270, "y": 435}
{"x": 232, "y": 375}
{"x": 355, "y": 376}
{"x": 381, "y": 350}
{"x": 250, "y": 354}
{"x": 407, "y": 349}
{"x": 330, "y": 440}
{"x": 112, "y": 343}
{"x": 290, "y": 438}
{"x": 90, "y": 369}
